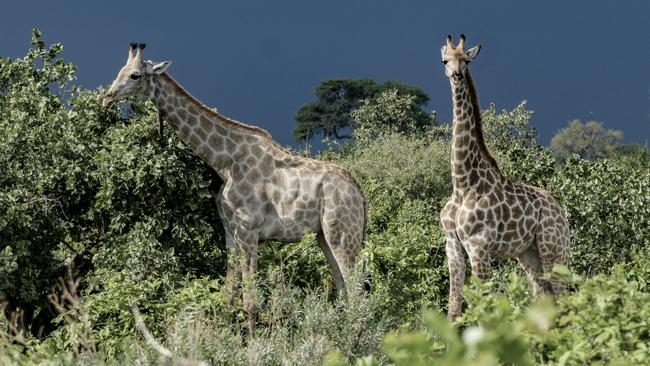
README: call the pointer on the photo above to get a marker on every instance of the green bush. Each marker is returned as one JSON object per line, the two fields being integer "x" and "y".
{"x": 513, "y": 141}
{"x": 606, "y": 322}
{"x": 607, "y": 206}
{"x": 417, "y": 165}
{"x": 47, "y": 144}
{"x": 494, "y": 331}
{"x": 392, "y": 111}
{"x": 79, "y": 178}
{"x": 296, "y": 327}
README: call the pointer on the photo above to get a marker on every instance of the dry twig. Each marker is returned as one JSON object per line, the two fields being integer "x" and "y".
{"x": 15, "y": 326}
{"x": 153, "y": 343}
{"x": 68, "y": 304}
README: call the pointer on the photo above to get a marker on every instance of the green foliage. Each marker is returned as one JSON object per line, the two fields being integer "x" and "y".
{"x": 79, "y": 176}
{"x": 296, "y": 327}
{"x": 416, "y": 165}
{"x": 303, "y": 262}
{"x": 590, "y": 141}
{"x": 44, "y": 146}
{"x": 514, "y": 143}
{"x": 634, "y": 156}
{"x": 407, "y": 257}
{"x": 391, "y": 111}
{"x": 606, "y": 322}
{"x": 607, "y": 206}
{"x": 82, "y": 178}
{"x": 494, "y": 332}
{"x": 330, "y": 115}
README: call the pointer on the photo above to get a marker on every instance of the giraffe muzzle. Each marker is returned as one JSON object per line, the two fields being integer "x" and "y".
{"x": 107, "y": 100}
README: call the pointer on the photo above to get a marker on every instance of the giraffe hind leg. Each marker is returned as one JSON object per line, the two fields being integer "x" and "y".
{"x": 554, "y": 249}
{"x": 331, "y": 260}
{"x": 342, "y": 243}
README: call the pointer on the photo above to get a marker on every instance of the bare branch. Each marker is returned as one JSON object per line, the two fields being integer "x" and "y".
{"x": 69, "y": 305}
{"x": 153, "y": 343}
{"x": 15, "y": 327}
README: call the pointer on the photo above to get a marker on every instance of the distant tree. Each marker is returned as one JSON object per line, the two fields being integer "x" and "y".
{"x": 589, "y": 140}
{"x": 391, "y": 111}
{"x": 330, "y": 115}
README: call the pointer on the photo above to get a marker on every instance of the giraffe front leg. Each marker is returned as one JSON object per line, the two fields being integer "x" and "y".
{"x": 247, "y": 241}
{"x": 456, "y": 262}
{"x": 479, "y": 257}
{"x": 233, "y": 269}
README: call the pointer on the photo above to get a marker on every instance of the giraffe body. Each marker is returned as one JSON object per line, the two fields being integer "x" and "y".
{"x": 489, "y": 216}
{"x": 268, "y": 193}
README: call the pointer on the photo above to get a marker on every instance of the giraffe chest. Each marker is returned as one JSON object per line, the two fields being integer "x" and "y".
{"x": 504, "y": 222}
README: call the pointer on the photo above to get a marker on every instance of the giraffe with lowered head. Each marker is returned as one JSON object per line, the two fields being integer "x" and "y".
{"x": 268, "y": 193}
{"x": 488, "y": 215}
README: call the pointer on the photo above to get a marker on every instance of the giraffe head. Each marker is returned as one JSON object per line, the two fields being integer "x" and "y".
{"x": 456, "y": 59}
{"x": 132, "y": 78}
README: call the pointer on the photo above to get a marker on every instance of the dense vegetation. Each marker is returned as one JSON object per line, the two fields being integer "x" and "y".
{"x": 330, "y": 117}
{"x": 136, "y": 217}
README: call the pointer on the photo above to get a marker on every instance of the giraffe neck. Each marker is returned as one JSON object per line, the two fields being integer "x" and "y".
{"x": 219, "y": 141}
{"x": 471, "y": 162}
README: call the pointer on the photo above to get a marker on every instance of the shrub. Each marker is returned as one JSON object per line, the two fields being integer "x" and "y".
{"x": 296, "y": 327}
{"x": 514, "y": 143}
{"x": 47, "y": 144}
{"x": 80, "y": 178}
{"x": 494, "y": 331}
{"x": 605, "y": 322}
{"x": 607, "y": 207}
{"x": 418, "y": 165}
{"x": 393, "y": 111}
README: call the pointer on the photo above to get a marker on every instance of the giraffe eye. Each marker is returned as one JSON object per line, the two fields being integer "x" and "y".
{"x": 444, "y": 61}
{"x": 135, "y": 76}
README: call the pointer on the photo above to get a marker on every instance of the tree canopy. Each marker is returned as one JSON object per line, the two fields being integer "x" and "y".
{"x": 390, "y": 112}
{"x": 330, "y": 114}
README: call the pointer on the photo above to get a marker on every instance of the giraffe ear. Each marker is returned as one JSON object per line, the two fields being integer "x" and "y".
{"x": 473, "y": 52}
{"x": 159, "y": 68}
{"x": 443, "y": 49}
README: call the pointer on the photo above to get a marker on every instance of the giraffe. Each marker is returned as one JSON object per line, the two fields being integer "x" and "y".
{"x": 268, "y": 193}
{"x": 488, "y": 215}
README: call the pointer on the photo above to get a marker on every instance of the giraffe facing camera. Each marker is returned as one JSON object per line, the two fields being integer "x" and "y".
{"x": 488, "y": 215}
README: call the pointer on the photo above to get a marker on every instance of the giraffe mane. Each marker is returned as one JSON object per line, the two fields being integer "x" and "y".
{"x": 253, "y": 129}
{"x": 480, "y": 139}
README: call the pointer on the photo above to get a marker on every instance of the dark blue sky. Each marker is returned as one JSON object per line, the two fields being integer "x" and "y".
{"x": 259, "y": 61}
